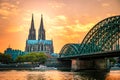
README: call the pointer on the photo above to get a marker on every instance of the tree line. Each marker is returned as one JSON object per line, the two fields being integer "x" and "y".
{"x": 5, "y": 58}
{"x": 30, "y": 57}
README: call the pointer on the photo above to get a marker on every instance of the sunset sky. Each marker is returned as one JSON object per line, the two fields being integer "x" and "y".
{"x": 65, "y": 21}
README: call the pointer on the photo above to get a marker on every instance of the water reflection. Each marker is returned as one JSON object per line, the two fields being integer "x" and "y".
{"x": 35, "y": 77}
{"x": 51, "y": 75}
{"x": 113, "y": 75}
{"x": 90, "y": 75}
{"x": 59, "y": 75}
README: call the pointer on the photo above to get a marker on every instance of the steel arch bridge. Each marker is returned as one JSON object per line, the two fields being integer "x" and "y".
{"x": 104, "y": 36}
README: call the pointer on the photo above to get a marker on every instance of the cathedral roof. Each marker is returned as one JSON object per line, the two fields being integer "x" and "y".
{"x": 39, "y": 41}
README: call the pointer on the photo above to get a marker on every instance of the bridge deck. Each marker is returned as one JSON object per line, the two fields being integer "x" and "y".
{"x": 95, "y": 55}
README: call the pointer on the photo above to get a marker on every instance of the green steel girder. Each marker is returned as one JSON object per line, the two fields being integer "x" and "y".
{"x": 101, "y": 34}
{"x": 69, "y": 50}
{"x": 100, "y": 38}
{"x": 110, "y": 37}
{"x": 105, "y": 38}
{"x": 111, "y": 42}
{"x": 94, "y": 31}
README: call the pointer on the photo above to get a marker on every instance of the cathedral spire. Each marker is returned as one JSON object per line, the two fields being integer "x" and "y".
{"x": 41, "y": 32}
{"x": 32, "y": 22}
{"x": 9, "y": 46}
{"x": 32, "y": 31}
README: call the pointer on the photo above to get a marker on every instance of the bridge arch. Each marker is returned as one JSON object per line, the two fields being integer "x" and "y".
{"x": 102, "y": 36}
{"x": 69, "y": 50}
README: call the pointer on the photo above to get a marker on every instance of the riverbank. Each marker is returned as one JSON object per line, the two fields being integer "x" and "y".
{"x": 26, "y": 67}
{"x": 115, "y": 68}
{"x": 17, "y": 66}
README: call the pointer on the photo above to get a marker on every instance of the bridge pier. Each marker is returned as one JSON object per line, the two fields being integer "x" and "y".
{"x": 100, "y": 63}
{"x": 95, "y": 64}
{"x": 59, "y": 64}
{"x": 108, "y": 64}
{"x": 65, "y": 65}
{"x": 78, "y": 64}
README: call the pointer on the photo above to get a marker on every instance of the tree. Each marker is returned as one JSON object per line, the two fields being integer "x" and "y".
{"x": 112, "y": 60}
{"x": 32, "y": 57}
{"x": 118, "y": 60}
{"x": 5, "y": 58}
{"x": 19, "y": 59}
{"x": 41, "y": 58}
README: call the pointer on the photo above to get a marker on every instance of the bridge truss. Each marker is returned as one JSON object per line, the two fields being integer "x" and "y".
{"x": 104, "y": 36}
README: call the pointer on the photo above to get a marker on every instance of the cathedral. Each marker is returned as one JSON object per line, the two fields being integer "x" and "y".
{"x": 40, "y": 44}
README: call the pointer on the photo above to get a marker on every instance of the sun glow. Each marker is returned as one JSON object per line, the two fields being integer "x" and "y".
{"x": 64, "y": 21}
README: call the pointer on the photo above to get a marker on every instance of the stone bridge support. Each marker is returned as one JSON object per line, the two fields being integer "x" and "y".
{"x": 79, "y": 64}
{"x": 86, "y": 64}
{"x": 59, "y": 64}
{"x": 65, "y": 65}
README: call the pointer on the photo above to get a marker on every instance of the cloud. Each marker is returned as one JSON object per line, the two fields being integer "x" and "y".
{"x": 55, "y": 4}
{"x": 105, "y": 4}
{"x": 67, "y": 30}
{"x": 15, "y": 28}
{"x": 61, "y": 22}
{"x": 61, "y": 17}
{"x": 8, "y": 9}
{"x": 58, "y": 20}
{"x": 81, "y": 28}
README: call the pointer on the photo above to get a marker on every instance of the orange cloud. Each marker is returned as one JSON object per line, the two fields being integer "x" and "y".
{"x": 7, "y": 9}
{"x": 62, "y": 31}
{"x": 105, "y": 4}
{"x": 64, "y": 21}
{"x": 56, "y": 5}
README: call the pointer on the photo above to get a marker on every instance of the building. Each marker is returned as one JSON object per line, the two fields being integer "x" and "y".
{"x": 14, "y": 52}
{"x": 40, "y": 44}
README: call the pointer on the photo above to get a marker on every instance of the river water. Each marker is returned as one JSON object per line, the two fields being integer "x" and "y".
{"x": 59, "y": 75}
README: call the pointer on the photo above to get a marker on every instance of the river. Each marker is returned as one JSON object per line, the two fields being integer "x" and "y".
{"x": 59, "y": 75}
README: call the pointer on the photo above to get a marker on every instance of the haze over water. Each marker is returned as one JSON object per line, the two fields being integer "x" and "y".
{"x": 58, "y": 75}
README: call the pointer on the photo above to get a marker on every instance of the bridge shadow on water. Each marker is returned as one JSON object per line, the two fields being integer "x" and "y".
{"x": 90, "y": 75}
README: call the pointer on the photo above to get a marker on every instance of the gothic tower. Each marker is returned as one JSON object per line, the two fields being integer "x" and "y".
{"x": 41, "y": 31}
{"x": 32, "y": 31}
{"x": 40, "y": 45}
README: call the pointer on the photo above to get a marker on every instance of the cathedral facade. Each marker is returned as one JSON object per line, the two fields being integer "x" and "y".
{"x": 40, "y": 44}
